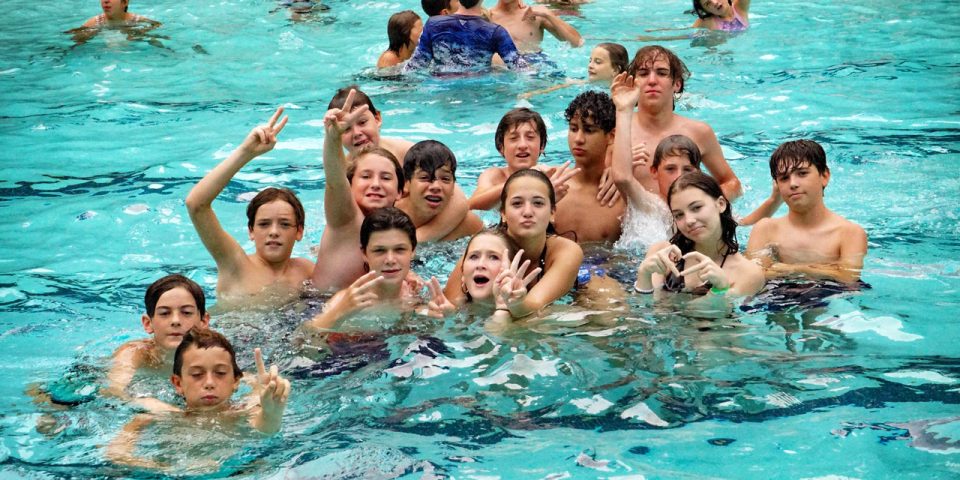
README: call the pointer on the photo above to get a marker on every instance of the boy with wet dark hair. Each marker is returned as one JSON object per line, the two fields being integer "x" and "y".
{"x": 521, "y": 138}
{"x": 591, "y": 119}
{"x": 439, "y": 7}
{"x": 431, "y": 169}
{"x": 275, "y": 222}
{"x": 659, "y": 77}
{"x": 810, "y": 240}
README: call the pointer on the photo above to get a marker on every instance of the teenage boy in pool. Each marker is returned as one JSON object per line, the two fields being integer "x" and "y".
{"x": 206, "y": 375}
{"x": 591, "y": 118}
{"x": 275, "y": 221}
{"x": 440, "y": 7}
{"x": 810, "y": 240}
{"x": 661, "y": 75}
{"x": 463, "y": 42}
{"x": 520, "y": 138}
{"x": 430, "y": 169}
{"x": 115, "y": 15}
{"x": 526, "y": 25}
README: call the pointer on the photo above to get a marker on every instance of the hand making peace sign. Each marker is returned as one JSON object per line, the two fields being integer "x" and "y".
{"x": 263, "y": 138}
{"x": 339, "y": 120}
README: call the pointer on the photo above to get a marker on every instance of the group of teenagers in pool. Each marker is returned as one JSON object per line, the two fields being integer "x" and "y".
{"x": 633, "y": 156}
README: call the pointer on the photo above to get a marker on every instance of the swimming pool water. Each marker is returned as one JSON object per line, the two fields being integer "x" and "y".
{"x": 102, "y": 142}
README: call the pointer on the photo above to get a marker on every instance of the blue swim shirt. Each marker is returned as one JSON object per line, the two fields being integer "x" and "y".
{"x": 462, "y": 43}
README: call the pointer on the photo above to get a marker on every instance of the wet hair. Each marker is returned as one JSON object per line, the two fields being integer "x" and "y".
{"x": 428, "y": 155}
{"x": 794, "y": 154}
{"x": 512, "y": 249}
{"x": 370, "y": 149}
{"x": 514, "y": 118}
{"x": 728, "y": 226}
{"x": 646, "y": 56}
{"x": 528, "y": 172}
{"x": 434, "y": 7}
{"x": 595, "y": 105}
{"x": 676, "y": 145}
{"x": 271, "y": 194}
{"x": 469, "y": 3}
{"x": 398, "y": 30}
{"x": 384, "y": 219}
{"x": 702, "y": 12}
{"x": 359, "y": 98}
{"x": 204, "y": 338}
{"x": 619, "y": 57}
{"x": 165, "y": 284}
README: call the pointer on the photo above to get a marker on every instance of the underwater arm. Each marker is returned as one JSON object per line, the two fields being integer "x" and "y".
{"x": 121, "y": 449}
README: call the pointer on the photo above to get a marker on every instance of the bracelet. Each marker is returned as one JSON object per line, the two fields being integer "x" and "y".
{"x": 502, "y": 310}
{"x": 719, "y": 291}
{"x": 642, "y": 290}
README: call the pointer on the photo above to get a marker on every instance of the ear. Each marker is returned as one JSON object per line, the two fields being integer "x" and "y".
{"x": 722, "y": 204}
{"x": 205, "y": 320}
{"x": 175, "y": 380}
{"x": 379, "y": 120}
{"x": 611, "y": 135}
{"x": 299, "y": 233}
{"x": 654, "y": 172}
{"x": 147, "y": 323}
{"x": 236, "y": 383}
{"x": 825, "y": 178}
{"x": 250, "y": 234}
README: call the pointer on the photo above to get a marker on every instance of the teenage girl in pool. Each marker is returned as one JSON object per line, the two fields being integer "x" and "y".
{"x": 607, "y": 60}
{"x": 527, "y": 206}
{"x": 703, "y": 256}
{"x": 724, "y": 15}
{"x": 403, "y": 33}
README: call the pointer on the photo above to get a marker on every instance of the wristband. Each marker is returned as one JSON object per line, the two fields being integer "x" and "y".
{"x": 642, "y": 290}
{"x": 502, "y": 310}
{"x": 719, "y": 291}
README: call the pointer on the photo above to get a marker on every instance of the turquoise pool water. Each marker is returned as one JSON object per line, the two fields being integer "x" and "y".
{"x": 101, "y": 143}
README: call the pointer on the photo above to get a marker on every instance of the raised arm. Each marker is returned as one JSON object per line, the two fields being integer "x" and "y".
{"x": 226, "y": 252}
{"x": 718, "y": 167}
{"x": 766, "y": 209}
{"x": 339, "y": 207}
{"x": 489, "y": 187}
{"x": 560, "y": 29}
{"x": 625, "y": 94}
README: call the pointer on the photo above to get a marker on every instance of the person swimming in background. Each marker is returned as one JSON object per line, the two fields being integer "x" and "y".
{"x": 703, "y": 255}
{"x": 439, "y": 7}
{"x": 462, "y": 43}
{"x": 115, "y": 16}
{"x": 403, "y": 33}
{"x": 206, "y": 375}
{"x": 527, "y": 23}
{"x": 607, "y": 60}
{"x": 527, "y": 207}
{"x": 724, "y": 15}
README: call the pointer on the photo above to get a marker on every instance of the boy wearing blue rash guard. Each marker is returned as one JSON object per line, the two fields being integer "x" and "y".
{"x": 463, "y": 42}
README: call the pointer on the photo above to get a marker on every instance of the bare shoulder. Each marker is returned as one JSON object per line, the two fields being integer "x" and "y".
{"x": 133, "y": 352}
{"x": 561, "y": 247}
{"x": 91, "y": 22}
{"x": 388, "y": 59}
{"x": 493, "y": 175}
{"x": 397, "y": 146}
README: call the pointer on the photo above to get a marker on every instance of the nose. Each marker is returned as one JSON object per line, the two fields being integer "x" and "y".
{"x": 578, "y": 136}
{"x": 208, "y": 381}
{"x": 175, "y": 321}
{"x": 527, "y": 209}
{"x": 355, "y": 131}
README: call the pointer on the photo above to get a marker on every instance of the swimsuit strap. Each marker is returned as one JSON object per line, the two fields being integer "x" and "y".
{"x": 724, "y": 260}
{"x": 543, "y": 261}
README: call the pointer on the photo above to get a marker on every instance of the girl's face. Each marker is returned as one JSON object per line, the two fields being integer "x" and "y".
{"x": 113, "y": 8}
{"x": 481, "y": 265}
{"x": 415, "y": 34}
{"x": 719, "y": 8}
{"x": 374, "y": 183}
{"x": 527, "y": 210}
{"x": 389, "y": 253}
{"x": 600, "y": 69}
{"x": 697, "y": 215}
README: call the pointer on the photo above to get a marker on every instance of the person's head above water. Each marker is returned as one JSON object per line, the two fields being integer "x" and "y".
{"x": 376, "y": 177}
{"x": 607, "y": 60}
{"x": 591, "y": 118}
{"x": 174, "y": 305}
{"x": 661, "y": 62}
{"x": 800, "y": 170}
{"x": 430, "y": 168}
{"x": 527, "y": 204}
{"x": 482, "y": 261}
{"x": 794, "y": 154}
{"x": 367, "y": 129}
{"x": 593, "y": 106}
{"x": 403, "y": 30}
{"x": 388, "y": 240}
{"x": 701, "y": 213}
{"x": 439, "y": 7}
{"x": 114, "y": 8}
{"x": 675, "y": 155}
{"x": 205, "y": 370}
{"x": 521, "y": 138}
{"x": 275, "y": 221}
{"x": 712, "y": 8}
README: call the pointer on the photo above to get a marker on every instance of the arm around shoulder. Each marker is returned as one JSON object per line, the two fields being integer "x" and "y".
{"x": 715, "y": 163}
{"x": 559, "y": 276}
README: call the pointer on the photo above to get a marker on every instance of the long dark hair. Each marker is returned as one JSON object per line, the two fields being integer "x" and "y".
{"x": 728, "y": 226}
{"x": 528, "y": 172}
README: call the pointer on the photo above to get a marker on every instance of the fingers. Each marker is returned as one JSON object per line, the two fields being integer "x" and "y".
{"x": 696, "y": 268}
{"x": 668, "y": 260}
{"x": 516, "y": 261}
{"x": 614, "y": 198}
{"x": 279, "y": 127}
{"x": 532, "y": 275}
{"x": 276, "y": 115}
{"x": 562, "y": 179}
{"x": 348, "y": 103}
{"x": 366, "y": 279}
{"x": 261, "y": 368}
{"x": 261, "y": 134}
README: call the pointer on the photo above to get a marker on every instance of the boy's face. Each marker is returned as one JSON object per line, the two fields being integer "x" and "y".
{"x": 657, "y": 84}
{"x": 275, "y": 230}
{"x": 175, "y": 314}
{"x": 430, "y": 193}
{"x": 671, "y": 168}
{"x": 521, "y": 146}
{"x": 207, "y": 379}
{"x": 374, "y": 183}
{"x": 389, "y": 253}
{"x": 587, "y": 141}
{"x": 802, "y": 186}
{"x": 366, "y": 130}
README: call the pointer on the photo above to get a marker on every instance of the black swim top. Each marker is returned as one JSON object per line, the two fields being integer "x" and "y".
{"x": 676, "y": 284}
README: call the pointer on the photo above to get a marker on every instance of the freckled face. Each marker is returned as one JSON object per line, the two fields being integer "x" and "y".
{"x": 207, "y": 379}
